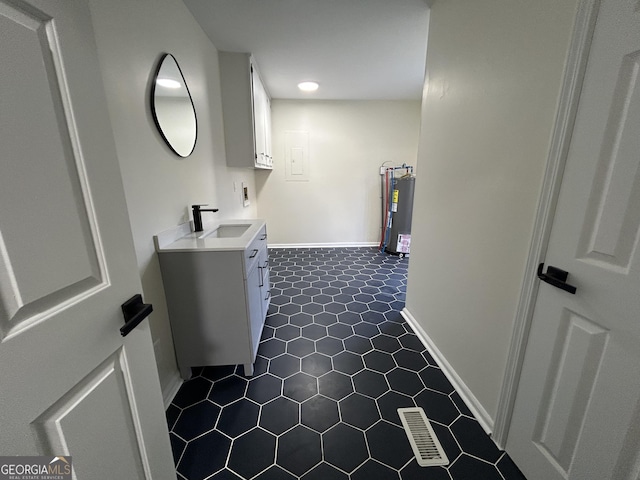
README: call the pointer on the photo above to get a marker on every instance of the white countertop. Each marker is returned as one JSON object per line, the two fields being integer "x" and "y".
{"x": 182, "y": 239}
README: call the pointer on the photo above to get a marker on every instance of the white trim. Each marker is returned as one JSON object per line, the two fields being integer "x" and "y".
{"x": 324, "y": 245}
{"x": 172, "y": 387}
{"x": 483, "y": 417}
{"x": 560, "y": 141}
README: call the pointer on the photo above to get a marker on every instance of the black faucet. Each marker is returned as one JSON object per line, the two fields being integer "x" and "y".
{"x": 197, "y": 217}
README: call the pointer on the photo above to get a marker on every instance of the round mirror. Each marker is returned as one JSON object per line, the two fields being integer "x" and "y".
{"x": 172, "y": 107}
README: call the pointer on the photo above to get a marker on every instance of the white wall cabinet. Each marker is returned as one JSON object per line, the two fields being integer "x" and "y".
{"x": 246, "y": 112}
{"x": 218, "y": 302}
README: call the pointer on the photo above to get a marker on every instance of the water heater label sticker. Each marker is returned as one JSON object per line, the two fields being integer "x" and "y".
{"x": 404, "y": 242}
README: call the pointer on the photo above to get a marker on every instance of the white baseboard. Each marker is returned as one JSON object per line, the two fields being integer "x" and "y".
{"x": 323, "y": 245}
{"x": 171, "y": 388}
{"x": 484, "y": 419}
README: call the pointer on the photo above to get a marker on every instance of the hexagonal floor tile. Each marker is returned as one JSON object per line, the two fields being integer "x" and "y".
{"x": 347, "y": 362}
{"x": 273, "y": 473}
{"x": 218, "y": 372}
{"x": 392, "y": 329}
{"x": 335, "y": 385}
{"x": 334, "y": 307}
{"x": 264, "y": 388}
{"x": 319, "y": 413}
{"x": 324, "y": 283}
{"x": 409, "y": 359}
{"x": 301, "y": 299}
{"x": 316, "y": 364}
{"x": 340, "y": 330}
{"x": 284, "y": 366}
{"x": 412, "y": 471}
{"x": 177, "y": 447}
{"x": 300, "y": 387}
{"x": 325, "y": 318}
{"x": 314, "y": 332}
{"x": 344, "y": 447}
{"x": 359, "y": 411}
{"x": 469, "y": 467}
{"x": 329, "y": 346}
{"x": 204, "y": 456}
{"x": 349, "y": 318}
{"x": 372, "y": 470}
{"x": 271, "y": 348}
{"x": 357, "y": 307}
{"x": 373, "y": 317}
{"x": 251, "y": 453}
{"x": 239, "y": 417}
{"x": 228, "y": 390}
{"x": 322, "y": 299}
{"x": 299, "y": 450}
{"x": 324, "y": 471}
{"x": 366, "y": 329}
{"x": 279, "y": 415}
{"x": 437, "y": 406}
{"x": 301, "y": 347}
{"x": 312, "y": 308}
{"x": 473, "y": 439}
{"x": 357, "y": 344}
{"x": 196, "y": 419}
{"x": 385, "y": 343}
{"x": 192, "y": 391}
{"x": 370, "y": 383}
{"x": 404, "y": 381}
{"x": 172, "y": 415}
{"x": 390, "y": 402}
{"x": 389, "y": 444}
{"x": 433, "y": 378}
{"x": 287, "y": 332}
{"x": 301, "y": 319}
{"x": 379, "y": 361}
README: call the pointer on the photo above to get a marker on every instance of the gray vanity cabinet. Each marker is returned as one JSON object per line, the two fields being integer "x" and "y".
{"x": 217, "y": 301}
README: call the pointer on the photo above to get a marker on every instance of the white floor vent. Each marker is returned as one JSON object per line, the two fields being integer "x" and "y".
{"x": 423, "y": 440}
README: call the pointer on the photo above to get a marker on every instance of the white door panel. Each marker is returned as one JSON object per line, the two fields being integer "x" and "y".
{"x": 579, "y": 390}
{"x": 70, "y": 384}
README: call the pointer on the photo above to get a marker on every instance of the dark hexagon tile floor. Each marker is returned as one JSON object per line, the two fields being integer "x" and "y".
{"x": 335, "y": 363}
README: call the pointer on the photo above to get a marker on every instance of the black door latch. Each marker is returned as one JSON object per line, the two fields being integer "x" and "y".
{"x": 556, "y": 277}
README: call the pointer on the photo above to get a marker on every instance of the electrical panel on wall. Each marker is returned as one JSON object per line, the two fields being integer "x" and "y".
{"x": 296, "y": 156}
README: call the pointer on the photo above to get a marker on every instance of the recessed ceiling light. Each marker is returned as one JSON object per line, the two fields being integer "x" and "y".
{"x": 308, "y": 86}
{"x": 168, "y": 83}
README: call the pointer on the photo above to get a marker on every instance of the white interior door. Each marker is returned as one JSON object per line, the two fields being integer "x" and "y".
{"x": 70, "y": 384}
{"x": 577, "y": 410}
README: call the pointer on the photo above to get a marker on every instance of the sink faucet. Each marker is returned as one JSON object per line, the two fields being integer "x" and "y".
{"x": 197, "y": 217}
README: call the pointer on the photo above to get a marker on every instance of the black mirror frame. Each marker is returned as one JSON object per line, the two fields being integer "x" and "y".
{"x": 153, "y": 105}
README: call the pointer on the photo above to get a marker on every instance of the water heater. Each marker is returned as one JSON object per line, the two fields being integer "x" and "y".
{"x": 401, "y": 207}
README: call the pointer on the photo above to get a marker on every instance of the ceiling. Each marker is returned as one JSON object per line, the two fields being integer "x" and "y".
{"x": 355, "y": 49}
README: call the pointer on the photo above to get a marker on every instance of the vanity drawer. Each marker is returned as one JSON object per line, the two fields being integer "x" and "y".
{"x": 252, "y": 253}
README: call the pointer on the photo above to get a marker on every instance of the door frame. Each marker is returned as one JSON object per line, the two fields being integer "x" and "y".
{"x": 575, "y": 68}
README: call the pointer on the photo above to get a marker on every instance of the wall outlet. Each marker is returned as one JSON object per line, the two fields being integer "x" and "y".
{"x": 245, "y": 195}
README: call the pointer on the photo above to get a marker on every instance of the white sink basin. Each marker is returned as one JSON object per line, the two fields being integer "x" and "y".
{"x": 227, "y": 231}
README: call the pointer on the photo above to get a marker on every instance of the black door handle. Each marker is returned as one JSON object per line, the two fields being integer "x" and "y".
{"x": 555, "y": 277}
{"x": 134, "y": 312}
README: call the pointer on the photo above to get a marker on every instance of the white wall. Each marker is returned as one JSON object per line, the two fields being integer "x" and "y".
{"x": 159, "y": 185}
{"x": 348, "y": 141}
{"x": 494, "y": 74}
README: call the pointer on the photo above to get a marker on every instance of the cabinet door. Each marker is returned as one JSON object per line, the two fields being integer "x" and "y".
{"x": 259, "y": 102}
{"x": 266, "y": 285}
{"x": 254, "y": 305}
{"x": 267, "y": 131}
